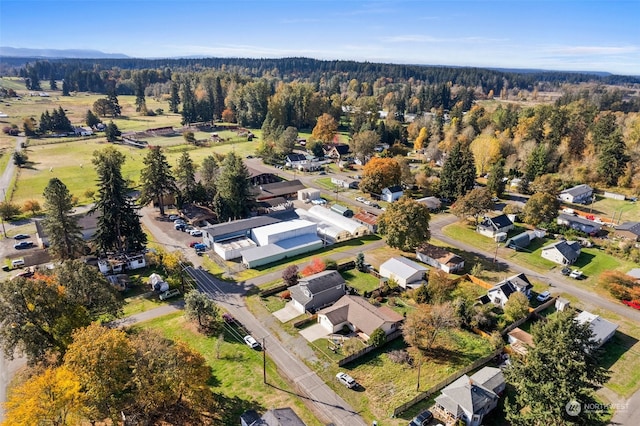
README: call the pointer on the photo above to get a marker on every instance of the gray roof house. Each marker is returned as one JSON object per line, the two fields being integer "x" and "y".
{"x": 630, "y": 230}
{"x": 273, "y": 417}
{"x": 500, "y": 293}
{"x": 432, "y": 203}
{"x": 580, "y": 194}
{"x": 602, "y": 329}
{"x": 562, "y": 252}
{"x": 579, "y": 223}
{"x": 491, "y": 226}
{"x": 317, "y": 291}
{"x": 470, "y": 398}
{"x": 404, "y": 271}
{"x": 523, "y": 239}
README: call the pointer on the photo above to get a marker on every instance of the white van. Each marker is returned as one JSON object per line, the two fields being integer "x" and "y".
{"x": 17, "y": 263}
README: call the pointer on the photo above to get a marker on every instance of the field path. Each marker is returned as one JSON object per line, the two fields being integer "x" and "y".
{"x": 7, "y": 175}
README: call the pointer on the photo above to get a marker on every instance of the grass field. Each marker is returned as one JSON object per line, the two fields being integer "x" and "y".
{"x": 236, "y": 373}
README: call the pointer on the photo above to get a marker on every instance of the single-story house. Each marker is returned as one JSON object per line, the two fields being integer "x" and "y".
{"x": 562, "y": 252}
{"x": 602, "y": 329}
{"x": 470, "y": 398}
{"x": 343, "y": 182}
{"x": 88, "y": 224}
{"x": 367, "y": 219}
{"x": 500, "y": 293}
{"x": 523, "y": 239}
{"x": 491, "y": 226}
{"x": 273, "y": 417}
{"x": 634, "y": 273}
{"x": 392, "y": 193}
{"x": 440, "y": 257}
{"x": 579, "y": 223}
{"x": 580, "y": 194}
{"x": 520, "y": 341}
{"x": 359, "y": 315}
{"x": 628, "y": 230}
{"x": 317, "y": 291}
{"x": 432, "y": 203}
{"x": 405, "y": 272}
{"x": 286, "y": 189}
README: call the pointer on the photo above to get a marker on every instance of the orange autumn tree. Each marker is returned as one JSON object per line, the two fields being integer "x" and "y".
{"x": 316, "y": 265}
{"x": 380, "y": 173}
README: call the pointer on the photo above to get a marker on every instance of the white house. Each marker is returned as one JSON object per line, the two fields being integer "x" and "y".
{"x": 562, "y": 252}
{"x": 294, "y": 160}
{"x": 392, "y": 193}
{"x": 500, "y": 293}
{"x": 405, "y": 272}
{"x": 359, "y": 315}
{"x": 602, "y": 329}
{"x": 440, "y": 257}
{"x": 580, "y": 194}
{"x": 491, "y": 226}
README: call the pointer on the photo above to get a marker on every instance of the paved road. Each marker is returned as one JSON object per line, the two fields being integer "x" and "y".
{"x": 326, "y": 402}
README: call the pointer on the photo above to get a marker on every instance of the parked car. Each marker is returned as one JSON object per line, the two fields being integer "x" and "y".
{"x": 576, "y": 274}
{"x": 21, "y": 237}
{"x": 17, "y": 263}
{"x": 192, "y": 244}
{"x": 180, "y": 226}
{"x": 375, "y": 205}
{"x": 565, "y": 271}
{"x": 346, "y": 380}
{"x": 422, "y": 419}
{"x": 23, "y": 245}
{"x": 195, "y": 233}
{"x": 200, "y": 247}
{"x": 169, "y": 294}
{"x": 173, "y": 217}
{"x": 251, "y": 342}
{"x": 360, "y": 199}
{"x": 544, "y": 296}
{"x": 178, "y": 220}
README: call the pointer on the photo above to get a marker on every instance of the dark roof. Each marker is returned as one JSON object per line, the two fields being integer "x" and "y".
{"x": 318, "y": 290}
{"x": 240, "y": 225}
{"x": 577, "y": 219}
{"x": 250, "y": 418}
{"x": 255, "y": 172}
{"x": 440, "y": 254}
{"x": 394, "y": 189}
{"x": 341, "y": 148}
{"x": 512, "y": 284}
{"x": 501, "y": 221}
{"x": 523, "y": 239}
{"x": 278, "y": 189}
{"x": 577, "y": 190}
{"x": 282, "y": 417}
{"x": 570, "y": 250}
{"x": 633, "y": 227}
{"x": 295, "y": 157}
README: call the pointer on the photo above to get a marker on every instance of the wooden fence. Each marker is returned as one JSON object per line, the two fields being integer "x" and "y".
{"x": 452, "y": 378}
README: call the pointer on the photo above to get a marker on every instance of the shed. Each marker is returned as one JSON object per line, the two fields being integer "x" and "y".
{"x": 340, "y": 209}
{"x": 333, "y": 218}
{"x": 406, "y": 272}
{"x": 308, "y": 194}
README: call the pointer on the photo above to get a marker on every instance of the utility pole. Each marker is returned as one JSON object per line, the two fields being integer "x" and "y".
{"x": 264, "y": 362}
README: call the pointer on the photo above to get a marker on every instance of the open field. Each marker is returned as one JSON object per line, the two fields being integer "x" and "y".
{"x": 236, "y": 372}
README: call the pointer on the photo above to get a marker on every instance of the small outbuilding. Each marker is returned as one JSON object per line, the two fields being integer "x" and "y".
{"x": 405, "y": 272}
{"x": 391, "y": 193}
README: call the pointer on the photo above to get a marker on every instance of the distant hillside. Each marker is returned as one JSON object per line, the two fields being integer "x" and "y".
{"x": 57, "y": 53}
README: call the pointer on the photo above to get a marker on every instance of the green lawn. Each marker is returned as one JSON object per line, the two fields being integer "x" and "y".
{"x": 361, "y": 281}
{"x": 236, "y": 372}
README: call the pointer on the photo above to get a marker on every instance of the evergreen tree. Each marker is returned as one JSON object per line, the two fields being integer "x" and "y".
{"x": 538, "y": 163}
{"x": 208, "y": 175}
{"x": 186, "y": 177}
{"x": 189, "y": 110}
{"x": 119, "y": 227}
{"x": 91, "y": 119}
{"x": 156, "y": 179}
{"x": 612, "y": 159}
{"x": 235, "y": 198}
{"x": 561, "y": 368}
{"x": 218, "y": 104}
{"x": 46, "y": 124}
{"x": 53, "y": 85}
{"x": 458, "y": 174}
{"x": 112, "y": 98}
{"x": 495, "y": 182}
{"x": 111, "y": 132}
{"x": 65, "y": 88}
{"x": 174, "y": 99}
{"x": 140, "y": 82}
{"x": 63, "y": 231}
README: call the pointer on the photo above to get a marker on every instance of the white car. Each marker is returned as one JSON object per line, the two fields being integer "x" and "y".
{"x": 251, "y": 342}
{"x": 195, "y": 233}
{"x": 544, "y": 296}
{"x": 346, "y": 380}
{"x": 360, "y": 199}
{"x": 576, "y": 274}
{"x": 169, "y": 294}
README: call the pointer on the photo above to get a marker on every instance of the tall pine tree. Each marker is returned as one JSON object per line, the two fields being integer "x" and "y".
{"x": 234, "y": 198}
{"x": 156, "y": 179}
{"x": 186, "y": 177}
{"x": 119, "y": 228}
{"x": 63, "y": 231}
{"x": 458, "y": 174}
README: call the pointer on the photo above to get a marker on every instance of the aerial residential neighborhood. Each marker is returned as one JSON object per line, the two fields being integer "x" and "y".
{"x": 214, "y": 239}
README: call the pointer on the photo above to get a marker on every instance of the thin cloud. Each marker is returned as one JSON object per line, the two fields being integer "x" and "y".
{"x": 419, "y": 38}
{"x": 593, "y": 50}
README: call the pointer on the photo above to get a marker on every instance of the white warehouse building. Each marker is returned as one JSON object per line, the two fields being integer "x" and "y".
{"x": 281, "y": 240}
{"x": 352, "y": 228}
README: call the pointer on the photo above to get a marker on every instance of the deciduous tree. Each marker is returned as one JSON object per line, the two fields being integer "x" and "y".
{"x": 380, "y": 173}
{"x": 405, "y": 224}
{"x": 290, "y": 275}
{"x": 540, "y": 208}
{"x": 439, "y": 285}
{"x": 316, "y": 265}
{"x": 474, "y": 203}
{"x": 325, "y": 128}
{"x": 32, "y": 206}
{"x": 517, "y": 307}
{"x": 198, "y": 306}
{"x": 8, "y": 210}
{"x": 363, "y": 144}
{"x": 424, "y": 324}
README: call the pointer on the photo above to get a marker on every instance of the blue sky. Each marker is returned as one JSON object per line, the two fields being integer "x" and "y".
{"x": 547, "y": 34}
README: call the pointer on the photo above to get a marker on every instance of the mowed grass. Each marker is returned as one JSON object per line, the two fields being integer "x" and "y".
{"x": 387, "y": 385}
{"x": 237, "y": 372}
{"x": 71, "y": 163}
